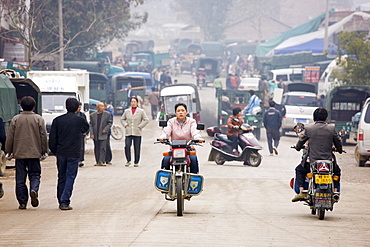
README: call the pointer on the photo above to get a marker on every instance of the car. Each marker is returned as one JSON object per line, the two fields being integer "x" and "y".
{"x": 299, "y": 109}
{"x": 249, "y": 84}
{"x": 362, "y": 149}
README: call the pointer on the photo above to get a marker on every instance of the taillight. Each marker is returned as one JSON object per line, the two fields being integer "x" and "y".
{"x": 360, "y": 136}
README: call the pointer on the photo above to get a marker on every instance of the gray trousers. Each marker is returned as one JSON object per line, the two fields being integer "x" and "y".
{"x": 100, "y": 149}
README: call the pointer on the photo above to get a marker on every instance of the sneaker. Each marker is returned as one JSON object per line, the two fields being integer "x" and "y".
{"x": 271, "y": 154}
{"x": 235, "y": 152}
{"x": 136, "y": 165}
{"x": 34, "y": 198}
{"x": 80, "y": 164}
{"x": 276, "y": 151}
{"x": 65, "y": 207}
{"x": 299, "y": 197}
{"x": 22, "y": 206}
{"x": 1, "y": 190}
{"x": 128, "y": 163}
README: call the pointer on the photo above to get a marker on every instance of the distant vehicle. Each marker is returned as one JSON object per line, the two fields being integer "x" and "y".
{"x": 250, "y": 83}
{"x": 211, "y": 67}
{"x": 119, "y": 84}
{"x": 362, "y": 150}
{"x": 149, "y": 58}
{"x": 99, "y": 87}
{"x": 56, "y": 87}
{"x": 288, "y": 75}
{"x": 147, "y": 76}
{"x": 175, "y": 93}
{"x": 299, "y": 109}
{"x": 343, "y": 103}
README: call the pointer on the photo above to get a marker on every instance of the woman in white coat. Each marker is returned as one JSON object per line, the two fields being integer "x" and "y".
{"x": 134, "y": 120}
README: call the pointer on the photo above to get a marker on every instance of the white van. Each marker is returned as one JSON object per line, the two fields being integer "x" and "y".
{"x": 288, "y": 75}
{"x": 362, "y": 150}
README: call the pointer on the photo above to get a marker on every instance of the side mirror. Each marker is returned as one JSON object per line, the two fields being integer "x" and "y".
{"x": 86, "y": 107}
{"x": 200, "y": 126}
{"x": 162, "y": 123}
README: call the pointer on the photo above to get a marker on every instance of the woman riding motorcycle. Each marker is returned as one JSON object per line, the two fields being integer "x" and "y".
{"x": 181, "y": 128}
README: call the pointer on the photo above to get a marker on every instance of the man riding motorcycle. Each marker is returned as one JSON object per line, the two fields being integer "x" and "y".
{"x": 321, "y": 137}
{"x": 181, "y": 128}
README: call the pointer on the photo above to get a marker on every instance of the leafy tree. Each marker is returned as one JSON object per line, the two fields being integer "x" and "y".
{"x": 87, "y": 24}
{"x": 356, "y": 66}
{"x": 209, "y": 15}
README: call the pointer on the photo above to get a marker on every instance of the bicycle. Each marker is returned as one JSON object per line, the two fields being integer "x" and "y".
{"x": 116, "y": 132}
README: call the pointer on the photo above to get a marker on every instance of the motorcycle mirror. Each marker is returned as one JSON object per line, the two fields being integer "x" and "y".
{"x": 162, "y": 123}
{"x": 200, "y": 126}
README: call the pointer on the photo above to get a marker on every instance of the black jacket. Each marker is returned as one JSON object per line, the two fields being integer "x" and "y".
{"x": 272, "y": 119}
{"x": 321, "y": 137}
{"x": 65, "y": 134}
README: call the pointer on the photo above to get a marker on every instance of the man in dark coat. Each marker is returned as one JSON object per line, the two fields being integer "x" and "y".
{"x": 65, "y": 143}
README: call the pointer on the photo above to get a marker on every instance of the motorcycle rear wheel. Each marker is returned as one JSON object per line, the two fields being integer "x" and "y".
{"x": 180, "y": 197}
{"x": 254, "y": 159}
{"x": 219, "y": 159}
{"x": 321, "y": 213}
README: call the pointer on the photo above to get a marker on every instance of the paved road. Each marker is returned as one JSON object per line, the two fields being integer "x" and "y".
{"x": 240, "y": 206}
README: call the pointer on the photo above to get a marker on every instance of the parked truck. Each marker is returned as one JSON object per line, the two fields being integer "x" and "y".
{"x": 150, "y": 58}
{"x": 56, "y": 87}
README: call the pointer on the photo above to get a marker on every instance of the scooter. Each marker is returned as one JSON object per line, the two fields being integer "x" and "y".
{"x": 222, "y": 148}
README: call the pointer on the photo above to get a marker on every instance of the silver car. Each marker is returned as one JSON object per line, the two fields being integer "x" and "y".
{"x": 299, "y": 109}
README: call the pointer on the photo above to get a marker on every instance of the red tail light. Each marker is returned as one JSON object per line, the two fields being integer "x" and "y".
{"x": 360, "y": 135}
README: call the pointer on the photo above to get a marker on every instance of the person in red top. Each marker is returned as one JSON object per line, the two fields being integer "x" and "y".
{"x": 233, "y": 124}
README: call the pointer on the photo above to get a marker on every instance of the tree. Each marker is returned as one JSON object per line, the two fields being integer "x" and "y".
{"x": 356, "y": 67}
{"x": 209, "y": 15}
{"x": 87, "y": 24}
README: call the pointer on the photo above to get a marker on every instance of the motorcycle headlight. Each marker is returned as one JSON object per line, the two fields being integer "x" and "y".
{"x": 179, "y": 153}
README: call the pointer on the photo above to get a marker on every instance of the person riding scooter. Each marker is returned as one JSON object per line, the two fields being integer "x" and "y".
{"x": 233, "y": 124}
{"x": 181, "y": 128}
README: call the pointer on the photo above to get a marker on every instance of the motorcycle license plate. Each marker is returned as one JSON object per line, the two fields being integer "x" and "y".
{"x": 323, "y": 179}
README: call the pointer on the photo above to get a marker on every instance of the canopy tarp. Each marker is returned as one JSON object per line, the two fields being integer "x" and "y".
{"x": 306, "y": 27}
{"x": 8, "y": 99}
{"x": 314, "y": 41}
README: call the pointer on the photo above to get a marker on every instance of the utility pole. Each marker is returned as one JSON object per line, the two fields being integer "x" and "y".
{"x": 61, "y": 43}
{"x": 326, "y": 41}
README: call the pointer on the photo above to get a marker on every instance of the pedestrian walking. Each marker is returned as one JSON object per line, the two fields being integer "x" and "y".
{"x": 272, "y": 122}
{"x": 100, "y": 123}
{"x": 27, "y": 143}
{"x": 83, "y": 135}
{"x": 217, "y": 84}
{"x": 134, "y": 120}
{"x": 153, "y": 98}
{"x": 65, "y": 143}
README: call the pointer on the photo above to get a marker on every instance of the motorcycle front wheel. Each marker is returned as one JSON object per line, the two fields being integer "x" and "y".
{"x": 180, "y": 197}
{"x": 219, "y": 159}
{"x": 254, "y": 159}
{"x": 321, "y": 213}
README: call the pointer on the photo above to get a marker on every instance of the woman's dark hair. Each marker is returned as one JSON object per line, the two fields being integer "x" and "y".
{"x": 320, "y": 114}
{"x": 28, "y": 103}
{"x": 72, "y": 104}
{"x": 181, "y": 104}
{"x": 236, "y": 110}
{"x": 251, "y": 92}
{"x": 135, "y": 98}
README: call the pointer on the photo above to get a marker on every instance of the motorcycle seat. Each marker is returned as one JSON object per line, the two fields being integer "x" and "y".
{"x": 222, "y": 137}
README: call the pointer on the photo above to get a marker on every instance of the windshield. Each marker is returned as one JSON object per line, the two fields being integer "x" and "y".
{"x": 299, "y": 100}
{"x": 171, "y": 101}
{"x": 55, "y": 102}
